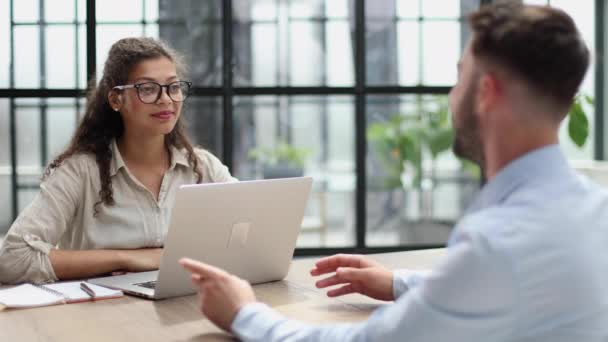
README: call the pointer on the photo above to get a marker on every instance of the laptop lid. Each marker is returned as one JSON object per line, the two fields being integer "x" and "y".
{"x": 248, "y": 228}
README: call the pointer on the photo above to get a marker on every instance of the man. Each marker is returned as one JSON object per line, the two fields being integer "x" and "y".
{"x": 528, "y": 261}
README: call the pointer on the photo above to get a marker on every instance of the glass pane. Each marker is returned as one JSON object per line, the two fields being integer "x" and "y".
{"x": 402, "y": 48}
{"x": 151, "y": 31}
{"x": 294, "y": 48}
{"x": 381, "y": 43}
{"x": 440, "y": 57}
{"x": 281, "y": 136}
{"x": 307, "y": 54}
{"x": 59, "y": 10}
{"x": 151, "y": 10}
{"x": 264, "y": 57}
{"x": 306, "y": 8}
{"x": 6, "y": 213}
{"x": 62, "y": 120}
{"x": 340, "y": 58}
{"x": 337, "y": 9}
{"x": 413, "y": 198}
{"x": 27, "y": 57}
{"x": 385, "y": 10}
{"x": 256, "y": 10}
{"x": 5, "y": 159}
{"x": 60, "y": 125}
{"x": 408, "y": 41}
{"x": 110, "y": 34}
{"x": 204, "y": 122}
{"x": 409, "y": 9}
{"x": 440, "y": 9}
{"x": 191, "y": 11}
{"x": 82, "y": 11}
{"x": 5, "y": 164}
{"x": 27, "y": 114}
{"x": 26, "y": 10}
{"x": 60, "y": 57}
{"x": 381, "y": 52}
{"x": 4, "y": 44}
{"x": 192, "y": 28}
{"x": 82, "y": 56}
{"x": 119, "y": 11}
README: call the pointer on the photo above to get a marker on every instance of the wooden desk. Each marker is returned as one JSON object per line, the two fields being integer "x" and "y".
{"x": 179, "y": 319}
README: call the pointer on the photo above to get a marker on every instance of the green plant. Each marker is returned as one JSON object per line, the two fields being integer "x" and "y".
{"x": 282, "y": 153}
{"x": 578, "y": 123}
{"x": 403, "y": 140}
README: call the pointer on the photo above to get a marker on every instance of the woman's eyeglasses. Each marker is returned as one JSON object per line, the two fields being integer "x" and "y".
{"x": 150, "y": 92}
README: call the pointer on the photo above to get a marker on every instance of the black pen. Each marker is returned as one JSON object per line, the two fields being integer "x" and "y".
{"x": 84, "y": 287}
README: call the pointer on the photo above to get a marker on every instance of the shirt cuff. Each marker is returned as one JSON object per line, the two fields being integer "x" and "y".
{"x": 254, "y": 321}
{"x": 37, "y": 243}
{"x": 404, "y": 280}
{"x": 25, "y": 258}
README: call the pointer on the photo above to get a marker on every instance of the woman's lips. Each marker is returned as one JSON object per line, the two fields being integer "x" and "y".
{"x": 164, "y": 115}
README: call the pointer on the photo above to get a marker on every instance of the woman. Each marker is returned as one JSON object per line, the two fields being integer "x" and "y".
{"x": 106, "y": 200}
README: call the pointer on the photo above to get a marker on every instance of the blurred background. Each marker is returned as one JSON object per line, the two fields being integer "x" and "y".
{"x": 350, "y": 92}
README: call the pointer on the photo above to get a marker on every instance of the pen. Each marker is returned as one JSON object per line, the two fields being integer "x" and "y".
{"x": 87, "y": 290}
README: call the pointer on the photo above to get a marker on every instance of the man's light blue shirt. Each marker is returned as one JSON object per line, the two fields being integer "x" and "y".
{"x": 528, "y": 262}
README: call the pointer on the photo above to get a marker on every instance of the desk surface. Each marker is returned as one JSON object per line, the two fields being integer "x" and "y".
{"x": 179, "y": 319}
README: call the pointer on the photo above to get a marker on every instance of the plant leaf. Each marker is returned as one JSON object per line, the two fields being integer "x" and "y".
{"x": 578, "y": 124}
{"x": 440, "y": 140}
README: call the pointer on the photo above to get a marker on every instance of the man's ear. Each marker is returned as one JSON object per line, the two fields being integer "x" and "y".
{"x": 115, "y": 100}
{"x": 490, "y": 92}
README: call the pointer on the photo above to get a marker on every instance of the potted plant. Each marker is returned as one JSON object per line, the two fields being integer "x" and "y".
{"x": 401, "y": 141}
{"x": 281, "y": 160}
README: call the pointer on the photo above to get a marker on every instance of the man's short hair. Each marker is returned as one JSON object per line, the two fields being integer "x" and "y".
{"x": 540, "y": 44}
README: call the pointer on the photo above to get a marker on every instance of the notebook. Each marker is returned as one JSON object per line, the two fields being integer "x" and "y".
{"x": 30, "y": 296}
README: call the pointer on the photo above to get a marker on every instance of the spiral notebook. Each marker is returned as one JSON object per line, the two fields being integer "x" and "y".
{"x": 30, "y": 296}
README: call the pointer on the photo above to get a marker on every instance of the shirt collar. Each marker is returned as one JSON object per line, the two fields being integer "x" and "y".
{"x": 117, "y": 162}
{"x": 178, "y": 156}
{"x": 539, "y": 164}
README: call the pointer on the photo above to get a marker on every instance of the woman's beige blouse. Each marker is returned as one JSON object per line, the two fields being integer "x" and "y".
{"x": 61, "y": 215}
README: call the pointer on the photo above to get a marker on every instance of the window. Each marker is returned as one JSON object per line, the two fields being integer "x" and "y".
{"x": 279, "y": 136}
{"x": 293, "y": 43}
{"x": 318, "y": 81}
{"x": 413, "y": 43}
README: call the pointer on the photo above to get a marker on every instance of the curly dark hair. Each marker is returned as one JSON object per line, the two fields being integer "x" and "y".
{"x": 541, "y": 44}
{"x": 101, "y": 124}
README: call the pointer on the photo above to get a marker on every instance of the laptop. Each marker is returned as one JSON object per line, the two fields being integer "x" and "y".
{"x": 248, "y": 228}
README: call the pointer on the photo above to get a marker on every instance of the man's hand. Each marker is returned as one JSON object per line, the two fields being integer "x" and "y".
{"x": 222, "y": 294}
{"x": 140, "y": 260}
{"x": 359, "y": 274}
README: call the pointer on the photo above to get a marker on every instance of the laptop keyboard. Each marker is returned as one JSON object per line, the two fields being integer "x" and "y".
{"x": 148, "y": 284}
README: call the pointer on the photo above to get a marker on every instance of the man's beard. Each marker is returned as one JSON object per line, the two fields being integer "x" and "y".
{"x": 467, "y": 140}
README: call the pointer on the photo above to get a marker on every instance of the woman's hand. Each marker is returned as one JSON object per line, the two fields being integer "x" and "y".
{"x": 140, "y": 260}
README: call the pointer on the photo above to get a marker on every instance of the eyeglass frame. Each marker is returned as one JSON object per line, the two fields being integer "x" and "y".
{"x": 159, "y": 94}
